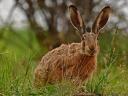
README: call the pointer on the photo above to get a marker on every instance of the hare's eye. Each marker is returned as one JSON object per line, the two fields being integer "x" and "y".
{"x": 84, "y": 36}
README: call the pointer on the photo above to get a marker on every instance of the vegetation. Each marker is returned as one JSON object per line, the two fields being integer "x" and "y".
{"x": 20, "y": 53}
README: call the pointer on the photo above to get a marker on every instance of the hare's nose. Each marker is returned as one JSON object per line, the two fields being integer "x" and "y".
{"x": 92, "y": 48}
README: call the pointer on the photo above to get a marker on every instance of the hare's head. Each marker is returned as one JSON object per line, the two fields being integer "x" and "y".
{"x": 89, "y": 39}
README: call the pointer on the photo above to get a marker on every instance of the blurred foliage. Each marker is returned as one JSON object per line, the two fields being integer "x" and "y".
{"x": 19, "y": 41}
{"x": 50, "y": 17}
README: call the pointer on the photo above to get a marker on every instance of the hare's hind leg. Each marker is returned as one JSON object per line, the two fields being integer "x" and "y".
{"x": 40, "y": 78}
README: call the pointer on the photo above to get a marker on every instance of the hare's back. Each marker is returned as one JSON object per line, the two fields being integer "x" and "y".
{"x": 55, "y": 54}
{"x": 58, "y": 54}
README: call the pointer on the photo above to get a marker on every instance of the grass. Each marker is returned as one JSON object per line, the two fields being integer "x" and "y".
{"x": 20, "y": 53}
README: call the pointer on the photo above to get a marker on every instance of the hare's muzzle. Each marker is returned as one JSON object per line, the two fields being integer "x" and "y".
{"x": 92, "y": 51}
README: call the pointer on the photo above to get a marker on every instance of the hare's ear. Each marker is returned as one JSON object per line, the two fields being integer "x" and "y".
{"x": 101, "y": 19}
{"x": 75, "y": 18}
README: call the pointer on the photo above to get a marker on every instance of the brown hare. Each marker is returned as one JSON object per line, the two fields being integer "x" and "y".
{"x": 75, "y": 61}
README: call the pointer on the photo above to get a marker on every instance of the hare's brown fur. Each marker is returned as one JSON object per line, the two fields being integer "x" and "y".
{"x": 76, "y": 61}
{"x": 65, "y": 62}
